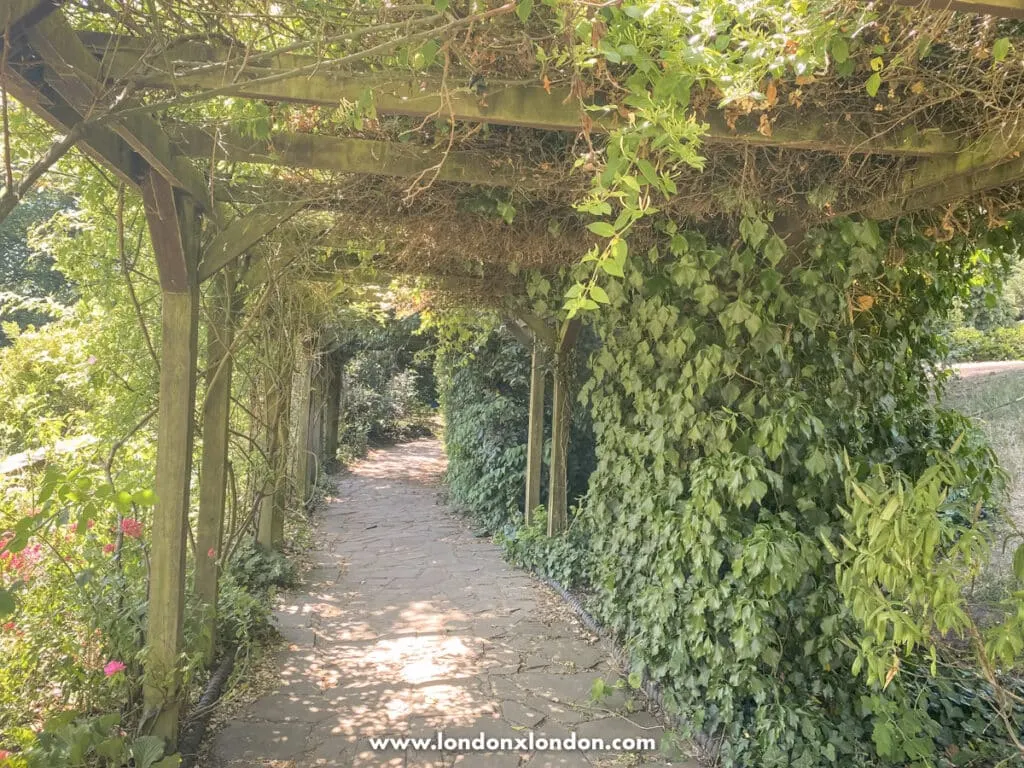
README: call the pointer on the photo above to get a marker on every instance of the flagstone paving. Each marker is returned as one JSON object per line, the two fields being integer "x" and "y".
{"x": 409, "y": 624}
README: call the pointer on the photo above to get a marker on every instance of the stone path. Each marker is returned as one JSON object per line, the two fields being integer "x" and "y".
{"x": 409, "y": 624}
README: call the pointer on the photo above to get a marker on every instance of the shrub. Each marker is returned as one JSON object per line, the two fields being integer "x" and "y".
{"x": 971, "y": 345}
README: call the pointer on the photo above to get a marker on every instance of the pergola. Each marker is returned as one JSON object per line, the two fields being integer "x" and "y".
{"x": 124, "y": 99}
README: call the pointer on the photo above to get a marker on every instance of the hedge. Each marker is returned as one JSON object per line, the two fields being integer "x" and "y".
{"x": 972, "y": 345}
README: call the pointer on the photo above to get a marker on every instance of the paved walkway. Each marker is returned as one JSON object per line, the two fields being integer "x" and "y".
{"x": 970, "y": 370}
{"x": 409, "y": 624}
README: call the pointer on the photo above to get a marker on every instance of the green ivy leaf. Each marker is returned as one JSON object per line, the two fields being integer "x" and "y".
{"x": 1000, "y": 48}
{"x": 840, "y": 49}
{"x": 873, "y": 84}
{"x": 523, "y": 10}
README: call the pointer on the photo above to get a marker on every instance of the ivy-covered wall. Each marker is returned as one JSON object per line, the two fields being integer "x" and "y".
{"x": 731, "y": 386}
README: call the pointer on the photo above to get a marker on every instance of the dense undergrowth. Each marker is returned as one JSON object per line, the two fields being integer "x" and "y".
{"x": 783, "y": 518}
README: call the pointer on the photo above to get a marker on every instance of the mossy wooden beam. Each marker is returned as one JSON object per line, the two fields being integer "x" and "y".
{"x": 542, "y": 330}
{"x": 363, "y": 156}
{"x": 76, "y": 75}
{"x": 18, "y": 15}
{"x": 969, "y": 185}
{"x": 165, "y": 619}
{"x": 530, "y": 106}
{"x": 1007, "y": 9}
{"x": 242, "y": 233}
{"x": 561, "y": 421}
{"x": 213, "y": 468}
{"x": 99, "y": 142}
{"x": 990, "y": 163}
{"x": 535, "y": 428}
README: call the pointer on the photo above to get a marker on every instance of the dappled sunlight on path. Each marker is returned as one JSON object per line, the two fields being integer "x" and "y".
{"x": 408, "y": 624}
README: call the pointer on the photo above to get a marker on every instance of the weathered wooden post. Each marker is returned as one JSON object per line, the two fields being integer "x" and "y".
{"x": 304, "y": 387}
{"x": 174, "y": 229}
{"x": 332, "y": 415}
{"x": 561, "y": 416}
{"x": 213, "y": 467}
{"x": 317, "y": 408}
{"x": 535, "y": 430}
{"x": 270, "y": 532}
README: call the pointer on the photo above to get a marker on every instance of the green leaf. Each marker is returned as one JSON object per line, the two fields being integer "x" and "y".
{"x": 597, "y": 293}
{"x": 612, "y": 267}
{"x": 523, "y": 10}
{"x": 840, "y": 49}
{"x": 7, "y": 603}
{"x": 774, "y": 249}
{"x": 635, "y": 680}
{"x": 1000, "y": 48}
{"x": 147, "y": 750}
{"x": 601, "y": 228}
{"x": 1018, "y": 562}
{"x": 873, "y": 84}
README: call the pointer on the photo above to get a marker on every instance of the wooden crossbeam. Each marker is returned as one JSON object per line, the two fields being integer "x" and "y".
{"x": 1008, "y": 9}
{"x": 242, "y": 234}
{"x": 529, "y": 106}
{"x": 363, "y": 156}
{"x": 97, "y": 141}
{"x": 76, "y": 75}
{"x": 950, "y": 191}
{"x": 16, "y": 15}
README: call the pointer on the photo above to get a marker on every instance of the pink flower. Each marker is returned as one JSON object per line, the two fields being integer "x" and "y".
{"x": 9, "y": 626}
{"x": 212, "y": 553}
{"x": 89, "y": 524}
{"x": 131, "y": 528}
{"x": 91, "y": 360}
{"x": 112, "y": 668}
{"x": 108, "y": 548}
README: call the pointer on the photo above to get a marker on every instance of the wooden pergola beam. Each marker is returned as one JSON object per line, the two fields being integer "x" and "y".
{"x": 16, "y": 15}
{"x": 950, "y": 191}
{"x": 1007, "y": 9}
{"x": 530, "y": 106}
{"x": 242, "y": 234}
{"x": 363, "y": 156}
{"x": 99, "y": 142}
{"x": 77, "y": 76}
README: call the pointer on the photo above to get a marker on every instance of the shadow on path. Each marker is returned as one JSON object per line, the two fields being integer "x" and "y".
{"x": 407, "y": 625}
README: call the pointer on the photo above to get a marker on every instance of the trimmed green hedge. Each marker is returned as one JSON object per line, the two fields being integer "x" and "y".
{"x": 972, "y": 345}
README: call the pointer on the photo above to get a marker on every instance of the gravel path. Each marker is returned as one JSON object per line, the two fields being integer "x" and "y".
{"x": 409, "y": 624}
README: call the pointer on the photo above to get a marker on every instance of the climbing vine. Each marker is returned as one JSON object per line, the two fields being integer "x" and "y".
{"x": 755, "y": 407}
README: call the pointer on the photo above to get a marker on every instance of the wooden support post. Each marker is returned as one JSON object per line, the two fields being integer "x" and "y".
{"x": 317, "y": 405}
{"x": 332, "y": 413}
{"x": 270, "y": 532}
{"x": 535, "y": 434}
{"x": 213, "y": 470}
{"x": 561, "y": 415}
{"x": 302, "y": 426}
{"x": 174, "y": 229}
